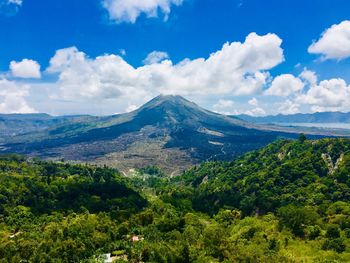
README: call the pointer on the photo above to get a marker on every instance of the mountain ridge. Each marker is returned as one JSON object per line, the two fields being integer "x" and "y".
{"x": 317, "y": 117}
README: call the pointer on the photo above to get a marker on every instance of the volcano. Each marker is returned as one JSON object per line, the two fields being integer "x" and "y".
{"x": 168, "y": 131}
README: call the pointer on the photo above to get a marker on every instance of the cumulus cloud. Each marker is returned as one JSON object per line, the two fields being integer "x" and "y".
{"x": 225, "y": 107}
{"x": 328, "y": 95}
{"x": 258, "y": 111}
{"x": 309, "y": 76}
{"x": 334, "y": 42}
{"x": 12, "y": 97}
{"x": 288, "y": 107}
{"x": 229, "y": 107}
{"x": 105, "y": 77}
{"x": 237, "y": 69}
{"x": 253, "y": 102}
{"x": 285, "y": 85}
{"x": 26, "y": 68}
{"x": 155, "y": 57}
{"x": 129, "y": 10}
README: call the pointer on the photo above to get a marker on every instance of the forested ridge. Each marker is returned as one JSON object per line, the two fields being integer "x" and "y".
{"x": 287, "y": 202}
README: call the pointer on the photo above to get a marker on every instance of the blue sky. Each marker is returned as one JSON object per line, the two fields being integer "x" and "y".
{"x": 122, "y": 33}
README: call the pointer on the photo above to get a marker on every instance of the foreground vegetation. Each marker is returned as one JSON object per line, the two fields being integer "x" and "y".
{"x": 288, "y": 202}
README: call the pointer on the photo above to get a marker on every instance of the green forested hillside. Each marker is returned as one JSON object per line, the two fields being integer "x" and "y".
{"x": 288, "y": 202}
{"x": 54, "y": 212}
{"x": 312, "y": 173}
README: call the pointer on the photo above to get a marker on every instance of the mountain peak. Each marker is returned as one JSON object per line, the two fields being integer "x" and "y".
{"x": 168, "y": 101}
{"x": 170, "y": 98}
{"x": 169, "y": 110}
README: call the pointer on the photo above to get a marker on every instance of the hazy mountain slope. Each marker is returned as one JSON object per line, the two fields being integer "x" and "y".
{"x": 319, "y": 117}
{"x": 22, "y": 126}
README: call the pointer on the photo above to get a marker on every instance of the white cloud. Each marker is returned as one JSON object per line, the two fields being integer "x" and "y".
{"x": 334, "y": 42}
{"x": 155, "y": 57}
{"x": 225, "y": 107}
{"x": 258, "y": 111}
{"x": 285, "y": 85}
{"x": 309, "y": 76}
{"x": 12, "y": 97}
{"x": 328, "y": 95}
{"x": 106, "y": 77}
{"x": 129, "y": 10}
{"x": 26, "y": 68}
{"x": 237, "y": 69}
{"x": 288, "y": 107}
{"x": 65, "y": 58}
{"x": 229, "y": 107}
{"x": 253, "y": 102}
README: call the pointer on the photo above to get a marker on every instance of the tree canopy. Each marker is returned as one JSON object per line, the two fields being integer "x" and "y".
{"x": 287, "y": 202}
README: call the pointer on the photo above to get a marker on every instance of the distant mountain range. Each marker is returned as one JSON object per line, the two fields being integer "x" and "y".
{"x": 18, "y": 124}
{"x": 168, "y": 131}
{"x": 319, "y": 117}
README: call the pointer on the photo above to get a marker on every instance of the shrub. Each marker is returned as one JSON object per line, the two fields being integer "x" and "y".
{"x": 337, "y": 245}
{"x": 333, "y": 231}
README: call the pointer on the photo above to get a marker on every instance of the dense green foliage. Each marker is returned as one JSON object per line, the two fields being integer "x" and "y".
{"x": 313, "y": 173}
{"x": 288, "y": 202}
{"x": 55, "y": 211}
{"x": 305, "y": 184}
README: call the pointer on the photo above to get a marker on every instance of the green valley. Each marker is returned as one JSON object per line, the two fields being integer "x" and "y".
{"x": 287, "y": 202}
